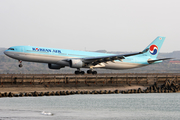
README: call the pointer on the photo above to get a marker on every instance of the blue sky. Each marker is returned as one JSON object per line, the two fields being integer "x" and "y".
{"x": 112, "y": 25}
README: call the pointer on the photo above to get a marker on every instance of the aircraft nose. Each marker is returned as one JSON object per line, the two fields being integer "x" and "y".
{"x": 5, "y": 52}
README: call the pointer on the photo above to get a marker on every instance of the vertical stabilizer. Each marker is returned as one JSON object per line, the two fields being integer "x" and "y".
{"x": 155, "y": 47}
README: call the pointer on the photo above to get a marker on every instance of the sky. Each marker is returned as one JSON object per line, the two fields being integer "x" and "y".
{"x": 112, "y": 25}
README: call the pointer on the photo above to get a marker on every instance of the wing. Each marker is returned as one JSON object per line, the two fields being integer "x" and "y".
{"x": 96, "y": 60}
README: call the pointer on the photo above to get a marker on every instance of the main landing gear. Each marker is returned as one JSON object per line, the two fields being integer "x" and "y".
{"x": 20, "y": 63}
{"x": 91, "y": 72}
{"x": 79, "y": 72}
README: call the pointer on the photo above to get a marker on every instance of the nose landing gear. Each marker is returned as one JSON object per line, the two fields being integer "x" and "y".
{"x": 20, "y": 63}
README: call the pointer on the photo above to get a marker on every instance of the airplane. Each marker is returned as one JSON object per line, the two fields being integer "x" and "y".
{"x": 60, "y": 58}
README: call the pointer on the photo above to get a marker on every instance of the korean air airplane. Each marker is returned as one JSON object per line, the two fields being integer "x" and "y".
{"x": 60, "y": 58}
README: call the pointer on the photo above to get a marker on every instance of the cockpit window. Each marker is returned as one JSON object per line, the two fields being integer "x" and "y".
{"x": 11, "y": 49}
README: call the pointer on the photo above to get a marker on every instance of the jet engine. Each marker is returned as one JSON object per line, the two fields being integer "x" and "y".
{"x": 76, "y": 63}
{"x": 54, "y": 66}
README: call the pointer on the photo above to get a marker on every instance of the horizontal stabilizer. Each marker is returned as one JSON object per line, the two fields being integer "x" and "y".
{"x": 152, "y": 61}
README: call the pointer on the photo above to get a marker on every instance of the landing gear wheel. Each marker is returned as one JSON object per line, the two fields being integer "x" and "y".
{"x": 89, "y": 71}
{"x": 82, "y": 72}
{"x": 20, "y": 65}
{"x": 79, "y": 72}
{"x": 94, "y": 72}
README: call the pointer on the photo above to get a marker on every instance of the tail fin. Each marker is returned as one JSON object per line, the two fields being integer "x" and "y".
{"x": 155, "y": 47}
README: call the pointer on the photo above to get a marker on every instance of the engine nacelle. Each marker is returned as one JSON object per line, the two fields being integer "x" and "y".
{"x": 54, "y": 66}
{"x": 76, "y": 63}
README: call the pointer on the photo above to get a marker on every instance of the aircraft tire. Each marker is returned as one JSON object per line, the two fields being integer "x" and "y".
{"x": 94, "y": 72}
{"x": 20, "y": 65}
{"x": 82, "y": 72}
{"x": 77, "y": 72}
{"x": 89, "y": 71}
